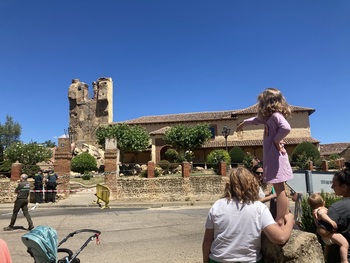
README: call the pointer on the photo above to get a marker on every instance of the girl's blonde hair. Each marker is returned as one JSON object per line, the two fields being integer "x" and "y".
{"x": 243, "y": 186}
{"x": 315, "y": 201}
{"x": 270, "y": 101}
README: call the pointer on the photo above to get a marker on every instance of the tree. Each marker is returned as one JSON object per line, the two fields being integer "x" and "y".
{"x": 216, "y": 156}
{"x": 49, "y": 144}
{"x": 28, "y": 155}
{"x": 83, "y": 162}
{"x": 303, "y": 153}
{"x": 237, "y": 155}
{"x": 130, "y": 138}
{"x": 10, "y": 132}
{"x": 185, "y": 138}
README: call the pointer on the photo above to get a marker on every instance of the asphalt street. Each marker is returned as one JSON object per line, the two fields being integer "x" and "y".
{"x": 138, "y": 232}
{"x": 130, "y": 232}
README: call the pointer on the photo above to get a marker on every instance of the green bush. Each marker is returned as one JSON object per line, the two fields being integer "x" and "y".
{"x": 86, "y": 176}
{"x": 332, "y": 164}
{"x": 144, "y": 173}
{"x": 216, "y": 156}
{"x": 237, "y": 155}
{"x": 164, "y": 164}
{"x": 171, "y": 155}
{"x": 303, "y": 153}
{"x": 248, "y": 161}
{"x": 83, "y": 162}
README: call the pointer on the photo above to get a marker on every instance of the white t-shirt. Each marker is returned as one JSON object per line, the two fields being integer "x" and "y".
{"x": 237, "y": 230}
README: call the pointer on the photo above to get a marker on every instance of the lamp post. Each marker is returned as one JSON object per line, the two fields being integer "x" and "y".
{"x": 225, "y": 132}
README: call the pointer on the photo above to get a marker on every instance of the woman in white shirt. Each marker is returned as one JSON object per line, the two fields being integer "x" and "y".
{"x": 235, "y": 223}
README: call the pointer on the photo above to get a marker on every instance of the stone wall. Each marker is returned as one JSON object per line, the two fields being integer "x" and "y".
{"x": 170, "y": 188}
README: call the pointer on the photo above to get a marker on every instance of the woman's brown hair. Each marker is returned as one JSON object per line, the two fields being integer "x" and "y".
{"x": 242, "y": 186}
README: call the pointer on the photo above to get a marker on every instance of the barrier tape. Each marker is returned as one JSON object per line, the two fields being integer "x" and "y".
{"x": 56, "y": 191}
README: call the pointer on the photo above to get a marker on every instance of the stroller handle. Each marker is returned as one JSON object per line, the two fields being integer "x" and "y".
{"x": 96, "y": 234}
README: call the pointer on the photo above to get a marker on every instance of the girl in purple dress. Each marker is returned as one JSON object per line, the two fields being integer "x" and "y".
{"x": 273, "y": 110}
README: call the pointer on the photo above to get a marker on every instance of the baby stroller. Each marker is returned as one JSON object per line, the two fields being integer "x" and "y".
{"x": 43, "y": 246}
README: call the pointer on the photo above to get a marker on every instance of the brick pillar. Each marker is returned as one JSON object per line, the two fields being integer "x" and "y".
{"x": 324, "y": 166}
{"x": 150, "y": 169}
{"x": 341, "y": 163}
{"x": 311, "y": 166}
{"x": 111, "y": 166}
{"x": 16, "y": 170}
{"x": 63, "y": 157}
{"x": 186, "y": 169}
{"x": 222, "y": 168}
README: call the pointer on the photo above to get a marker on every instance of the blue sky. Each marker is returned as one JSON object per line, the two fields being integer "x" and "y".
{"x": 169, "y": 57}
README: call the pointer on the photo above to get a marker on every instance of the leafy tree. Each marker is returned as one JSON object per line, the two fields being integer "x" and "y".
{"x": 28, "y": 155}
{"x": 332, "y": 160}
{"x": 216, "y": 156}
{"x": 129, "y": 138}
{"x": 303, "y": 153}
{"x": 237, "y": 155}
{"x": 10, "y": 132}
{"x": 49, "y": 144}
{"x": 83, "y": 163}
{"x": 185, "y": 138}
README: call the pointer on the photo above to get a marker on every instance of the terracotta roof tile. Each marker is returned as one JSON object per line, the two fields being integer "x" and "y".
{"x": 333, "y": 148}
{"x": 203, "y": 116}
{"x": 288, "y": 141}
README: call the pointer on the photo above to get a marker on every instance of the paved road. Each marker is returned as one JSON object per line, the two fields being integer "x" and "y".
{"x": 164, "y": 234}
{"x": 130, "y": 233}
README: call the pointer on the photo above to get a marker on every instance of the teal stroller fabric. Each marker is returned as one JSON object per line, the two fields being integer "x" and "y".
{"x": 42, "y": 243}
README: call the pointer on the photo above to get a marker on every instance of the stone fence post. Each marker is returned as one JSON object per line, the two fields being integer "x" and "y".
{"x": 16, "y": 170}
{"x": 111, "y": 166}
{"x": 150, "y": 169}
{"x": 186, "y": 169}
{"x": 324, "y": 166}
{"x": 63, "y": 157}
{"x": 222, "y": 168}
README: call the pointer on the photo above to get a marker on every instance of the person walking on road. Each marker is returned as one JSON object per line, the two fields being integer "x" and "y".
{"x": 22, "y": 190}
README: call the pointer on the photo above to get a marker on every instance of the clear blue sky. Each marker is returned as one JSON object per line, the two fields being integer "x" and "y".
{"x": 169, "y": 57}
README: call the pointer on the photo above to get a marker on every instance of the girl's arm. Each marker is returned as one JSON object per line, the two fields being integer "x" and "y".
{"x": 283, "y": 127}
{"x": 280, "y": 234}
{"x": 250, "y": 121}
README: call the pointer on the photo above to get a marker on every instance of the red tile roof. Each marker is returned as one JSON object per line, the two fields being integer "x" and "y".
{"x": 333, "y": 148}
{"x": 204, "y": 116}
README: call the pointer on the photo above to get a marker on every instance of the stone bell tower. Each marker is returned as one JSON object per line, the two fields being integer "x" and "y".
{"x": 87, "y": 114}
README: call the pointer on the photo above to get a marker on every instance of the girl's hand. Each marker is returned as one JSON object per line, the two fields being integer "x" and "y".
{"x": 280, "y": 147}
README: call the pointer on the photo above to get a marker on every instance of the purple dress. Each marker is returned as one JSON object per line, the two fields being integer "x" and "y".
{"x": 276, "y": 165}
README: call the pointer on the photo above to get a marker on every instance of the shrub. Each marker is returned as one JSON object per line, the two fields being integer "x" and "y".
{"x": 237, "y": 155}
{"x": 164, "y": 164}
{"x": 216, "y": 156}
{"x": 171, "y": 155}
{"x": 332, "y": 164}
{"x": 143, "y": 173}
{"x": 83, "y": 162}
{"x": 304, "y": 153}
{"x": 248, "y": 161}
{"x": 86, "y": 176}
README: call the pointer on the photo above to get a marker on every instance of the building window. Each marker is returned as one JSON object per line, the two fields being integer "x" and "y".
{"x": 213, "y": 131}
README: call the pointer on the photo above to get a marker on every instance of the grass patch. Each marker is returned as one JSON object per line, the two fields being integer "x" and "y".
{"x": 92, "y": 181}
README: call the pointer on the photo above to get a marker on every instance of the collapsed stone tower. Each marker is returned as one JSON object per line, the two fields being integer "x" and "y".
{"x": 87, "y": 114}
